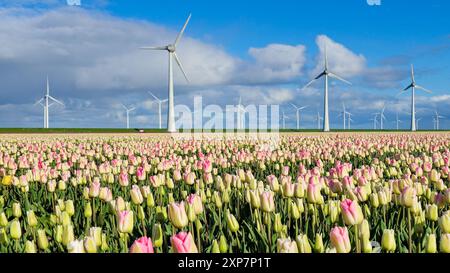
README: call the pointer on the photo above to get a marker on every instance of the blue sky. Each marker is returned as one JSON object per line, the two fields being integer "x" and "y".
{"x": 374, "y": 47}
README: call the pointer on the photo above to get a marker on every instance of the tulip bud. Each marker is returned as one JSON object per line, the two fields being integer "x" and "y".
{"x": 340, "y": 240}
{"x": 444, "y": 245}
{"x": 58, "y": 233}
{"x": 295, "y": 213}
{"x": 3, "y": 237}
{"x": 408, "y": 197}
{"x": 277, "y": 223}
{"x": 351, "y": 212}
{"x": 374, "y": 200}
{"x": 217, "y": 200}
{"x": 70, "y": 209}
{"x": 388, "y": 240}
{"x": 177, "y": 215}
{"x": 444, "y": 222}
{"x": 303, "y": 244}
{"x": 125, "y": 221}
{"x": 88, "y": 210}
{"x": 286, "y": 246}
{"x": 223, "y": 245}
{"x": 318, "y": 244}
{"x": 157, "y": 235}
{"x": 150, "y": 200}
{"x": 364, "y": 230}
{"x": 430, "y": 244}
{"x": 104, "y": 246}
{"x": 432, "y": 212}
{"x": 76, "y": 246}
{"x": 30, "y": 247}
{"x": 16, "y": 210}
{"x": 15, "y": 230}
{"x": 90, "y": 245}
{"x": 3, "y": 220}
{"x": 232, "y": 223}
{"x": 136, "y": 195}
{"x": 68, "y": 235}
{"x": 255, "y": 200}
{"x": 366, "y": 245}
{"x": 215, "y": 247}
{"x": 96, "y": 233}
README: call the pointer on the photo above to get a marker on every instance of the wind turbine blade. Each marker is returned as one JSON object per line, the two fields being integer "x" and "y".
{"x": 293, "y": 105}
{"x": 423, "y": 89}
{"x": 182, "y": 30}
{"x": 166, "y": 100}
{"x": 180, "y": 65}
{"x": 339, "y": 78}
{"x": 39, "y": 102}
{"x": 311, "y": 82}
{"x": 154, "y": 48}
{"x": 155, "y": 97}
{"x": 132, "y": 109}
{"x": 304, "y": 107}
{"x": 410, "y": 86}
{"x": 326, "y": 56}
{"x": 55, "y": 100}
{"x": 124, "y": 107}
{"x": 412, "y": 72}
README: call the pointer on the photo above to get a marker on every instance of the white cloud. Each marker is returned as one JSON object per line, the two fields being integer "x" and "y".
{"x": 341, "y": 60}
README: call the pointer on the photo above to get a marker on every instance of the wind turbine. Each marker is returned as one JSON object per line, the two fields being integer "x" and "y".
{"x": 298, "y": 110}
{"x": 171, "y": 49}
{"x": 437, "y": 117}
{"x": 318, "y": 119}
{"x": 375, "y": 120}
{"x": 344, "y": 114}
{"x": 326, "y": 73}
{"x": 350, "y": 120}
{"x": 128, "y": 110}
{"x": 398, "y": 121}
{"x": 159, "y": 102}
{"x": 413, "y": 86}
{"x": 382, "y": 117}
{"x": 284, "y": 120}
{"x": 417, "y": 123}
{"x": 44, "y": 102}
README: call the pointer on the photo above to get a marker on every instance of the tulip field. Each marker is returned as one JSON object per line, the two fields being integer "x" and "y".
{"x": 310, "y": 193}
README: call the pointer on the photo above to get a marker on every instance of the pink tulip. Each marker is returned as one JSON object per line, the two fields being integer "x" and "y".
{"x": 183, "y": 243}
{"x": 351, "y": 212}
{"x": 340, "y": 240}
{"x": 142, "y": 245}
{"x": 123, "y": 179}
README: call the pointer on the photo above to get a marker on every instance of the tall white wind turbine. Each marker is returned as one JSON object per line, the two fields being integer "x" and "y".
{"x": 128, "y": 111}
{"x": 350, "y": 120}
{"x": 326, "y": 73}
{"x": 344, "y": 114}
{"x": 171, "y": 49}
{"x": 413, "y": 86}
{"x": 46, "y": 102}
{"x": 159, "y": 102}
{"x": 437, "y": 118}
{"x": 298, "y": 110}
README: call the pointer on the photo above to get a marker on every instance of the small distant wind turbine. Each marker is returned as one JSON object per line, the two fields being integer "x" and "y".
{"x": 298, "y": 110}
{"x": 398, "y": 121}
{"x": 159, "y": 102}
{"x": 375, "y": 120}
{"x": 326, "y": 73}
{"x": 382, "y": 117}
{"x": 413, "y": 86}
{"x": 344, "y": 114}
{"x": 128, "y": 111}
{"x": 171, "y": 49}
{"x": 44, "y": 102}
{"x": 437, "y": 117}
{"x": 350, "y": 120}
{"x": 284, "y": 120}
{"x": 417, "y": 123}
{"x": 318, "y": 119}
